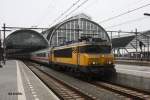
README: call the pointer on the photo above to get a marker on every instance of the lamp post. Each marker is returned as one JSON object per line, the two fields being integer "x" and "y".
{"x": 0, "y": 50}
{"x": 78, "y": 48}
{"x": 147, "y": 14}
{"x": 4, "y": 46}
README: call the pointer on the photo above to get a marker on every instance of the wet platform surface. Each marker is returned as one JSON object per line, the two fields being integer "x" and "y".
{"x": 17, "y": 82}
{"x": 133, "y": 76}
{"x": 141, "y": 71}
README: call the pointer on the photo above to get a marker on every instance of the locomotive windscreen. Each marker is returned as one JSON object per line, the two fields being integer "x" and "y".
{"x": 95, "y": 49}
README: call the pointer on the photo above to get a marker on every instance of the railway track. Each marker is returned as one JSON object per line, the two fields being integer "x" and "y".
{"x": 62, "y": 90}
{"x": 67, "y": 91}
{"x": 128, "y": 92}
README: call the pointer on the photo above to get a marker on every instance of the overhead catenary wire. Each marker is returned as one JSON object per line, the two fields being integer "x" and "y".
{"x": 67, "y": 10}
{"x": 75, "y": 9}
{"x": 124, "y": 13}
{"x": 135, "y": 2}
{"x": 45, "y": 12}
{"x": 127, "y": 22}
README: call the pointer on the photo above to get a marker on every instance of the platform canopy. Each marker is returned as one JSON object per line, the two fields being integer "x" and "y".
{"x": 26, "y": 40}
{"x": 122, "y": 42}
{"x": 131, "y": 42}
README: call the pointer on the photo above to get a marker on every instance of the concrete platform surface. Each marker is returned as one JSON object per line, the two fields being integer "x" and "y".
{"x": 141, "y": 71}
{"x": 18, "y": 82}
{"x": 133, "y": 62}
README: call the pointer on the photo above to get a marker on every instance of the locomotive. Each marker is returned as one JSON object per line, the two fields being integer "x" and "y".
{"x": 88, "y": 56}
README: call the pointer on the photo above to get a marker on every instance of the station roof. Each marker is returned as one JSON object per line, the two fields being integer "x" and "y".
{"x": 49, "y": 31}
{"x": 25, "y": 40}
{"x": 121, "y": 42}
{"x": 72, "y": 29}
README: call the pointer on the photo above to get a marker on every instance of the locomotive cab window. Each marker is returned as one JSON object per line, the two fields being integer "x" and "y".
{"x": 67, "y": 52}
{"x": 95, "y": 49}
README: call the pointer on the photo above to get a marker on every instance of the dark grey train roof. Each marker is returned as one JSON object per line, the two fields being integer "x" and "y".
{"x": 25, "y": 39}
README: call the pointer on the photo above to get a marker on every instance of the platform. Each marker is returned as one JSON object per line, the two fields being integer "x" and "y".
{"x": 133, "y": 62}
{"x": 18, "y": 82}
{"x": 136, "y": 70}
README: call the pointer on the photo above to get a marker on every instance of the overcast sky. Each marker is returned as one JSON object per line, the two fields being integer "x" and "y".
{"x": 29, "y": 13}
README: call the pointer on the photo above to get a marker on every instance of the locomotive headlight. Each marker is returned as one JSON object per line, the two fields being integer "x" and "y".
{"x": 94, "y": 62}
{"x": 109, "y": 62}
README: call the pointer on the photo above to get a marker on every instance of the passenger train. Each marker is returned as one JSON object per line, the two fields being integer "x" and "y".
{"x": 78, "y": 44}
{"x": 88, "y": 56}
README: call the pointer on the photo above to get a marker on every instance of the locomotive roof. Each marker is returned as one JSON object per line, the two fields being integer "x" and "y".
{"x": 81, "y": 44}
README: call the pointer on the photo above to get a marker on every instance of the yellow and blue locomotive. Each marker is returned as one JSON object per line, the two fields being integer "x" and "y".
{"x": 86, "y": 57}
